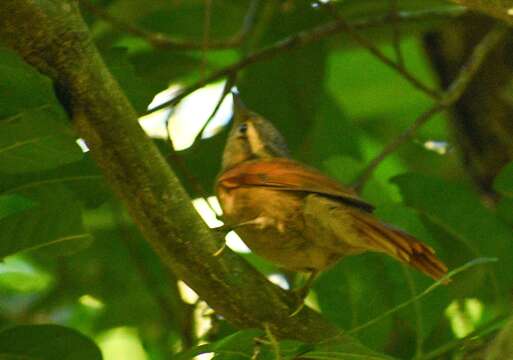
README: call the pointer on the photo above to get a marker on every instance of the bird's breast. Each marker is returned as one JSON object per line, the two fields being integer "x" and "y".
{"x": 279, "y": 234}
{"x": 246, "y": 203}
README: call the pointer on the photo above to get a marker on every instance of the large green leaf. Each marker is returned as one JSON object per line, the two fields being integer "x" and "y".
{"x": 457, "y": 210}
{"x": 360, "y": 287}
{"x": 288, "y": 88}
{"x": 331, "y": 134}
{"x": 503, "y": 183}
{"x": 36, "y": 139}
{"x": 54, "y": 224}
{"x": 21, "y": 87}
{"x": 34, "y": 131}
{"x": 82, "y": 178}
{"x": 20, "y": 275}
{"x": 11, "y": 204}
{"x": 46, "y": 342}
{"x": 140, "y": 91}
{"x": 187, "y": 19}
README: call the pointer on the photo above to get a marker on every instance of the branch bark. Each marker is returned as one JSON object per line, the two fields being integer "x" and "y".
{"x": 500, "y": 9}
{"x": 480, "y": 120}
{"x": 51, "y": 35}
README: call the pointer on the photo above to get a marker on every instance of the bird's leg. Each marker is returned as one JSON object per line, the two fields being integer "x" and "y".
{"x": 303, "y": 291}
{"x": 261, "y": 222}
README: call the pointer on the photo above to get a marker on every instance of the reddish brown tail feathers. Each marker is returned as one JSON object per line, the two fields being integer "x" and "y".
{"x": 402, "y": 246}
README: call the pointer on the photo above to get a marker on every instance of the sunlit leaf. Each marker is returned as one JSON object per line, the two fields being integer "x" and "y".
{"x": 18, "y": 274}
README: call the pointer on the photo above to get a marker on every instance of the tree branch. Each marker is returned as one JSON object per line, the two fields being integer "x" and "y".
{"x": 51, "y": 35}
{"x": 374, "y": 50}
{"x": 449, "y": 97}
{"x": 165, "y": 42}
{"x": 500, "y": 9}
{"x": 301, "y": 39}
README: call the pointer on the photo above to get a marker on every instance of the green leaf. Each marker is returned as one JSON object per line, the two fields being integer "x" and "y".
{"x": 140, "y": 91}
{"x": 505, "y": 210}
{"x": 239, "y": 345}
{"x": 55, "y": 224}
{"x": 36, "y": 139}
{"x": 184, "y": 19}
{"x": 11, "y": 204}
{"x": 458, "y": 210}
{"x": 343, "y": 350}
{"x": 18, "y": 274}
{"x": 331, "y": 123}
{"x": 46, "y": 342}
{"x": 82, "y": 178}
{"x": 245, "y": 344}
{"x": 503, "y": 183}
{"x": 359, "y": 285}
{"x": 22, "y": 87}
{"x": 288, "y": 89}
{"x": 162, "y": 68}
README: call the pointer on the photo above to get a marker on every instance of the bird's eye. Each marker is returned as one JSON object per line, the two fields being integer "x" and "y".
{"x": 243, "y": 128}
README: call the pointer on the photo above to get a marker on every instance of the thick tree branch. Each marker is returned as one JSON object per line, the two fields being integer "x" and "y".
{"x": 51, "y": 35}
{"x": 500, "y": 9}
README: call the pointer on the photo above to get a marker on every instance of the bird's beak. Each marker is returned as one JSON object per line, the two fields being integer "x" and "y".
{"x": 240, "y": 111}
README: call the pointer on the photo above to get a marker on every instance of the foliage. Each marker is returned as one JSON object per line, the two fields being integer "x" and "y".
{"x": 73, "y": 257}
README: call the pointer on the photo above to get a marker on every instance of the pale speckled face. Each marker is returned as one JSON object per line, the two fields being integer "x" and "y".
{"x": 252, "y": 137}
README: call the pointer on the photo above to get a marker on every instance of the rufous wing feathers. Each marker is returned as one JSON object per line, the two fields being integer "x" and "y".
{"x": 288, "y": 175}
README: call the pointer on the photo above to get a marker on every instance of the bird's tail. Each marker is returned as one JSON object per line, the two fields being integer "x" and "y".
{"x": 400, "y": 245}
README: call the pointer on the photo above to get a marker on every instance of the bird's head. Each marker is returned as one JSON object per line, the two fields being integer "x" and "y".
{"x": 251, "y": 137}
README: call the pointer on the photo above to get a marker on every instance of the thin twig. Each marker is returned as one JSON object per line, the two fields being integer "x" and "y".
{"x": 417, "y": 311}
{"x": 449, "y": 97}
{"x": 230, "y": 82}
{"x": 396, "y": 34}
{"x": 165, "y": 42}
{"x": 206, "y": 35}
{"x": 429, "y": 289}
{"x": 300, "y": 39}
{"x": 178, "y": 163}
{"x": 365, "y": 43}
{"x": 394, "y": 144}
{"x": 275, "y": 346}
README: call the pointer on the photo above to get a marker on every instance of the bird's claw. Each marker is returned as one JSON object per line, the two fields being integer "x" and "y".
{"x": 300, "y": 294}
{"x": 220, "y": 250}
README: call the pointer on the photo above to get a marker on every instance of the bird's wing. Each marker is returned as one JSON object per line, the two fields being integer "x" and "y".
{"x": 289, "y": 175}
{"x": 352, "y": 231}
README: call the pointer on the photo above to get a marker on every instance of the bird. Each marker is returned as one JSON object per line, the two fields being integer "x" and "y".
{"x": 295, "y": 216}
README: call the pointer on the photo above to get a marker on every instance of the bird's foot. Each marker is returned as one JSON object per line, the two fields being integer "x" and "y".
{"x": 220, "y": 250}
{"x": 299, "y": 297}
{"x": 225, "y": 229}
{"x": 302, "y": 292}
